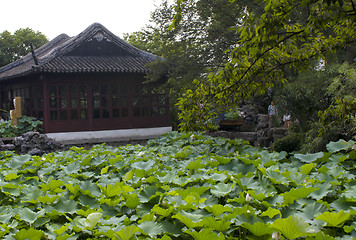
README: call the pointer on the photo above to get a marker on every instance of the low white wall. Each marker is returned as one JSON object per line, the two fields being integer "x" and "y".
{"x": 109, "y": 135}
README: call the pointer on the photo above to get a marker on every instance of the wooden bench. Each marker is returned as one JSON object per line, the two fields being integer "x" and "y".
{"x": 231, "y": 125}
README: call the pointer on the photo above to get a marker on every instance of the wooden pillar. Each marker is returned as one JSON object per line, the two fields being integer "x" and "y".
{"x": 17, "y": 112}
{"x": 45, "y": 104}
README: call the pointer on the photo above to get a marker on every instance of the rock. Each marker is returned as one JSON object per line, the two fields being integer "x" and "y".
{"x": 34, "y": 143}
{"x": 35, "y": 151}
{"x": 8, "y": 147}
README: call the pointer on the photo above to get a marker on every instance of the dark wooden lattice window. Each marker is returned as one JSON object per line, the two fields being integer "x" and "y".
{"x": 101, "y": 101}
{"x": 37, "y": 102}
{"x": 141, "y": 101}
{"x": 68, "y": 102}
{"x": 78, "y": 102}
{"x": 158, "y": 103}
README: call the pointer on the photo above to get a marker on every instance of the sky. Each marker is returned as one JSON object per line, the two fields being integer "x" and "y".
{"x": 71, "y": 17}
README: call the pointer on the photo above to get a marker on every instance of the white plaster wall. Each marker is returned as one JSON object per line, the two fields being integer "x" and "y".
{"x": 109, "y": 135}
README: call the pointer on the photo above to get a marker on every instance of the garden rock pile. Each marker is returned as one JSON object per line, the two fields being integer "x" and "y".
{"x": 32, "y": 143}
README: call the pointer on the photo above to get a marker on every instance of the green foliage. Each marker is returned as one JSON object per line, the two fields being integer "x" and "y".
{"x": 199, "y": 117}
{"x": 336, "y": 121}
{"x": 194, "y": 47}
{"x": 223, "y": 189}
{"x": 25, "y": 124}
{"x": 342, "y": 111}
{"x": 289, "y": 143}
{"x": 234, "y": 113}
{"x": 287, "y": 33}
{"x": 14, "y": 46}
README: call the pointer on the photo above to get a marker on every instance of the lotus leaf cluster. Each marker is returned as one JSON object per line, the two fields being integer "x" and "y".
{"x": 179, "y": 186}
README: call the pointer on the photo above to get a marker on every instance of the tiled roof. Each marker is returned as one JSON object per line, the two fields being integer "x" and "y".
{"x": 56, "y": 56}
{"x": 75, "y": 64}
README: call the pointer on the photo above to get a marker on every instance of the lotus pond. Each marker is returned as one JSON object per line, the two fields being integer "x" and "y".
{"x": 179, "y": 186}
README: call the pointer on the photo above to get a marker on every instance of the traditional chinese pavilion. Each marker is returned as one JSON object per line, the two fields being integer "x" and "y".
{"x": 91, "y": 82}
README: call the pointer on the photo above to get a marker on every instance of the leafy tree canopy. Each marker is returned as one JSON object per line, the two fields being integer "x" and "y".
{"x": 194, "y": 47}
{"x": 17, "y": 45}
{"x": 293, "y": 33}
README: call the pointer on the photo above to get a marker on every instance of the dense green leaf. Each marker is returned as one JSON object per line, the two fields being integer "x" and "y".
{"x": 258, "y": 229}
{"x": 293, "y": 227}
{"x": 31, "y": 233}
{"x": 334, "y": 219}
{"x": 92, "y": 220}
{"x": 338, "y": 146}
{"x": 204, "y": 234}
{"x": 309, "y": 158}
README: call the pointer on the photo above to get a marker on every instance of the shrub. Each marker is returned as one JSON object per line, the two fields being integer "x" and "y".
{"x": 25, "y": 124}
{"x": 289, "y": 143}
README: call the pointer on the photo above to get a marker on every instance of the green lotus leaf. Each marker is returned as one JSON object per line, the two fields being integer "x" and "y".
{"x": 5, "y": 218}
{"x": 341, "y": 204}
{"x": 293, "y": 227}
{"x": 132, "y": 201}
{"x": 195, "y": 165}
{"x": 168, "y": 178}
{"x": 11, "y": 189}
{"x": 215, "y": 177}
{"x": 271, "y": 212}
{"x": 307, "y": 168}
{"x": 147, "y": 194}
{"x": 165, "y": 237}
{"x": 218, "y": 225}
{"x": 296, "y": 193}
{"x": 161, "y": 211}
{"x": 66, "y": 206}
{"x": 334, "y": 147}
{"x": 92, "y": 220}
{"x": 72, "y": 168}
{"x": 61, "y": 229}
{"x": 11, "y": 176}
{"x": 324, "y": 189}
{"x": 258, "y": 229}
{"x": 350, "y": 193}
{"x": 89, "y": 188}
{"x": 218, "y": 209}
{"x": 127, "y": 232}
{"x": 171, "y": 228}
{"x": 204, "y": 234}
{"x": 53, "y": 186}
{"x": 321, "y": 236}
{"x": 191, "y": 220}
{"x": 311, "y": 210}
{"x": 112, "y": 190}
{"x": 129, "y": 175}
{"x": 48, "y": 199}
{"x": 15, "y": 162}
{"x": 31, "y": 193}
{"x": 88, "y": 201}
{"x": 74, "y": 189}
{"x": 334, "y": 219}
{"x": 268, "y": 159}
{"x": 28, "y": 215}
{"x": 309, "y": 158}
{"x": 104, "y": 170}
{"x": 222, "y": 160}
{"x": 144, "y": 165}
{"x": 238, "y": 167}
{"x": 221, "y": 189}
{"x": 151, "y": 228}
{"x": 25, "y": 234}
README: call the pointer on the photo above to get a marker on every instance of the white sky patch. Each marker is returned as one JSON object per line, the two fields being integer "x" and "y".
{"x": 53, "y": 18}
